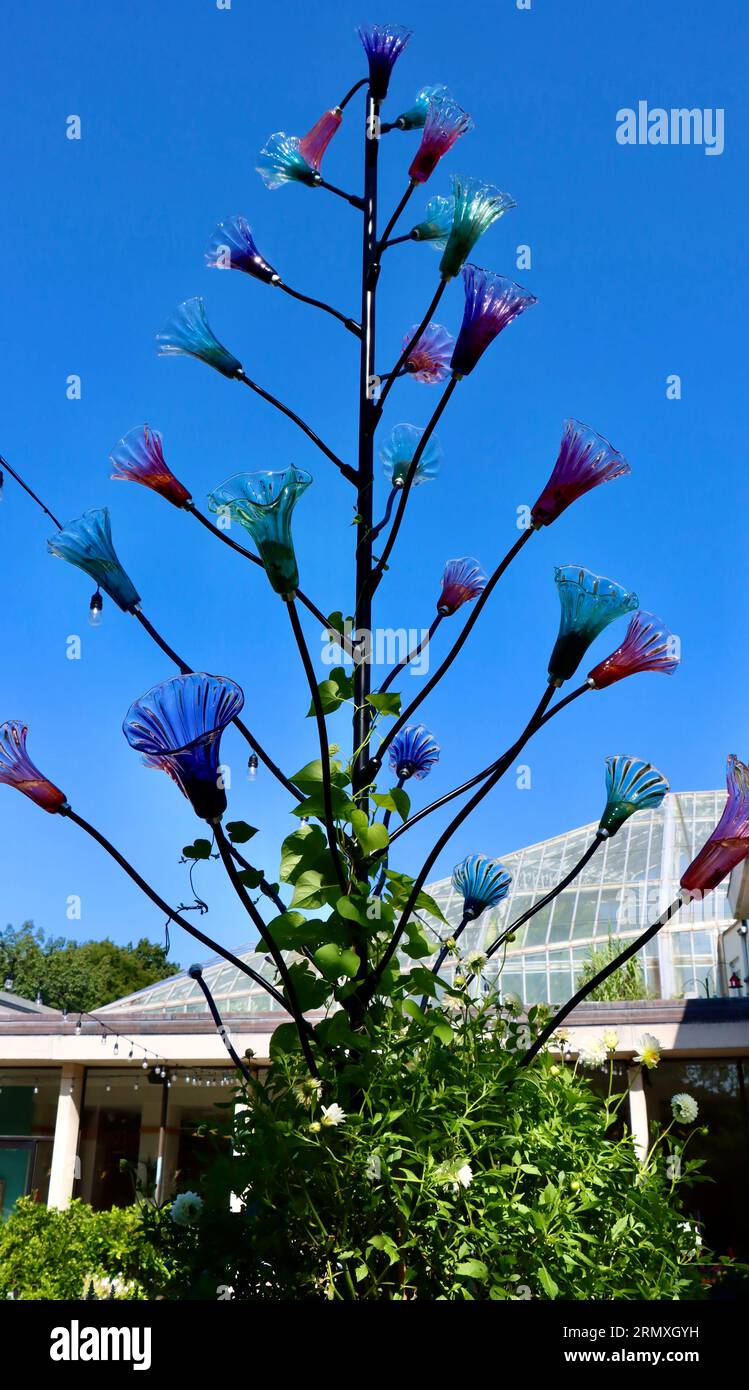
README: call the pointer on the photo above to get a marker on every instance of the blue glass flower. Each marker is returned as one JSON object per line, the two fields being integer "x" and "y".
{"x": 87, "y": 543}
{"x": 476, "y": 206}
{"x": 462, "y": 581}
{"x": 436, "y": 224}
{"x": 585, "y": 460}
{"x": 17, "y": 769}
{"x": 589, "y": 604}
{"x": 263, "y": 503}
{"x": 415, "y": 117}
{"x": 383, "y": 45}
{"x": 232, "y": 247}
{"x": 631, "y": 785}
{"x": 177, "y": 726}
{"x": 445, "y": 122}
{"x": 413, "y": 753}
{"x": 482, "y": 883}
{"x": 491, "y": 303}
{"x": 189, "y": 334}
{"x": 429, "y": 358}
{"x": 398, "y": 449}
{"x": 281, "y": 161}
{"x": 139, "y": 458}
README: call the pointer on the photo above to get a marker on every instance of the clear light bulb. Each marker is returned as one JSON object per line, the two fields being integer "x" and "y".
{"x": 252, "y": 766}
{"x": 95, "y": 608}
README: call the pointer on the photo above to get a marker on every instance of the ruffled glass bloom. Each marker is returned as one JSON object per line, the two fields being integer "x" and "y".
{"x": 729, "y": 843}
{"x": 585, "y": 460}
{"x": 87, "y": 543}
{"x": 139, "y": 458}
{"x": 177, "y": 726}
{"x": 631, "y": 785}
{"x": 429, "y": 359}
{"x": 462, "y": 581}
{"x": 415, "y": 117}
{"x": 17, "y": 769}
{"x": 383, "y": 45}
{"x": 189, "y": 334}
{"x": 397, "y": 452}
{"x": 445, "y": 122}
{"x": 263, "y": 503}
{"x": 648, "y": 646}
{"x": 437, "y": 222}
{"x": 589, "y": 603}
{"x": 491, "y": 303}
{"x": 481, "y": 882}
{"x": 413, "y": 753}
{"x": 313, "y": 145}
{"x": 232, "y": 247}
{"x": 281, "y": 161}
{"x": 476, "y": 206}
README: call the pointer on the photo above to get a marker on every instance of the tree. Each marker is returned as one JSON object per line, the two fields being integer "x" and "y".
{"x": 77, "y": 975}
{"x": 628, "y": 982}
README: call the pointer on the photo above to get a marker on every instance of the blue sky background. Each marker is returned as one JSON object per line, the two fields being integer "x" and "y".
{"x": 637, "y": 264}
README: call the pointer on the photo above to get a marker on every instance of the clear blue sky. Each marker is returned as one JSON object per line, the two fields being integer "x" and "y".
{"x": 639, "y": 266}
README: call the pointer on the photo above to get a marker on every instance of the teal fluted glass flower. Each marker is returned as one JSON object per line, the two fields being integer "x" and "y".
{"x": 263, "y": 503}
{"x": 87, "y": 543}
{"x": 281, "y": 161}
{"x": 631, "y": 785}
{"x": 415, "y": 117}
{"x": 589, "y": 603}
{"x": 436, "y": 224}
{"x": 476, "y": 206}
{"x": 189, "y": 334}
{"x": 397, "y": 451}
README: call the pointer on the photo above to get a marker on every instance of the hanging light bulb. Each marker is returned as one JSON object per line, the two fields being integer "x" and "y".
{"x": 39, "y": 999}
{"x": 116, "y": 1047}
{"x": 79, "y": 1026}
{"x": 130, "y": 1053}
{"x": 95, "y": 609}
{"x": 252, "y": 767}
{"x": 144, "y": 1064}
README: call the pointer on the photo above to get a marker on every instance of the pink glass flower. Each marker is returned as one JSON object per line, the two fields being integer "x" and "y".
{"x": 313, "y": 145}
{"x": 445, "y": 123}
{"x": 429, "y": 360}
{"x": 17, "y": 769}
{"x": 729, "y": 843}
{"x": 462, "y": 581}
{"x": 585, "y": 460}
{"x": 139, "y": 458}
{"x": 647, "y": 646}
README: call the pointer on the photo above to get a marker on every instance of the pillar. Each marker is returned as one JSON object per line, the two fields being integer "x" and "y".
{"x": 67, "y": 1127}
{"x": 638, "y": 1112}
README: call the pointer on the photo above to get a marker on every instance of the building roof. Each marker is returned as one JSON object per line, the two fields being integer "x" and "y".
{"x": 12, "y": 1004}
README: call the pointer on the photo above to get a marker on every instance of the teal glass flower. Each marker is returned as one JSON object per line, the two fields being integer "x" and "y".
{"x": 631, "y": 785}
{"x": 281, "y": 161}
{"x": 589, "y": 603}
{"x": 189, "y": 334}
{"x": 87, "y": 543}
{"x": 397, "y": 451}
{"x": 436, "y": 224}
{"x": 263, "y": 503}
{"x": 415, "y": 117}
{"x": 476, "y": 206}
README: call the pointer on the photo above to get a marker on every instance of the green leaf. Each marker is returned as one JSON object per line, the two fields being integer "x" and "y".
{"x": 314, "y": 805}
{"x": 291, "y": 931}
{"x": 353, "y": 910}
{"x": 311, "y": 775}
{"x": 411, "y": 1008}
{"x": 240, "y": 832}
{"x": 338, "y": 687}
{"x": 309, "y": 890}
{"x": 395, "y": 800}
{"x": 201, "y": 849}
{"x": 251, "y": 878}
{"x": 443, "y": 1032}
{"x": 389, "y": 703}
{"x": 334, "y": 960}
{"x": 302, "y": 849}
{"x": 370, "y": 837}
{"x": 387, "y": 1245}
{"x": 547, "y": 1283}
{"x": 473, "y": 1269}
{"x": 311, "y": 991}
{"x": 284, "y": 1038}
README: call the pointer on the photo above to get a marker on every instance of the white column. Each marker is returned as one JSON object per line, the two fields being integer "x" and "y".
{"x": 67, "y": 1128}
{"x": 638, "y": 1112}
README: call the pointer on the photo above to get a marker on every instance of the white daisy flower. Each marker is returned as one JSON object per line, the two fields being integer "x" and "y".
{"x": 333, "y": 1115}
{"x": 186, "y": 1208}
{"x": 650, "y": 1051}
{"x": 685, "y": 1108}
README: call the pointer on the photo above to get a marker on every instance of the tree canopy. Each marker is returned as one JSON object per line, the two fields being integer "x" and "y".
{"x": 77, "y": 975}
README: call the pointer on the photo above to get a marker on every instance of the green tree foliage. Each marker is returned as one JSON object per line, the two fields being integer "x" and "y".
{"x": 77, "y": 975}
{"x": 628, "y": 982}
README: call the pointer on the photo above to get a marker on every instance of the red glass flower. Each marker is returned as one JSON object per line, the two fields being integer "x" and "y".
{"x": 17, "y": 769}
{"x": 313, "y": 145}
{"x": 729, "y": 843}
{"x": 647, "y": 646}
{"x": 139, "y": 458}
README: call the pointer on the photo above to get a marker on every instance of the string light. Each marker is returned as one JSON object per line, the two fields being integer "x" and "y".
{"x": 253, "y": 764}
{"x": 95, "y": 608}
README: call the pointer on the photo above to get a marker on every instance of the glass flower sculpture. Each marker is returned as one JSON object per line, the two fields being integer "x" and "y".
{"x": 631, "y": 785}
{"x": 647, "y": 646}
{"x": 383, "y": 45}
{"x": 189, "y": 334}
{"x": 232, "y": 247}
{"x": 263, "y": 503}
{"x": 281, "y": 161}
{"x": 589, "y": 603}
{"x": 437, "y": 222}
{"x": 476, "y": 206}
{"x": 87, "y": 543}
{"x": 139, "y": 458}
{"x": 17, "y": 769}
{"x": 584, "y": 461}
{"x": 415, "y": 117}
{"x": 481, "y": 882}
{"x": 177, "y": 726}
{"x": 462, "y": 581}
{"x": 413, "y": 753}
{"x": 429, "y": 359}
{"x": 313, "y": 145}
{"x": 445, "y": 122}
{"x": 491, "y": 303}
{"x": 728, "y": 844}
{"x": 397, "y": 452}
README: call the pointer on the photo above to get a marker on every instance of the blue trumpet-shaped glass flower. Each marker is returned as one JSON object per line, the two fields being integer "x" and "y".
{"x": 476, "y": 206}
{"x": 445, "y": 122}
{"x": 397, "y": 452}
{"x": 383, "y": 45}
{"x": 415, "y": 117}
{"x": 584, "y": 461}
{"x": 263, "y": 503}
{"x": 413, "y": 753}
{"x": 17, "y": 769}
{"x": 281, "y": 161}
{"x": 589, "y": 603}
{"x": 462, "y": 581}
{"x": 491, "y": 303}
{"x": 139, "y": 458}
{"x": 631, "y": 785}
{"x": 429, "y": 358}
{"x": 189, "y": 334}
{"x": 177, "y": 726}
{"x": 481, "y": 882}
{"x": 436, "y": 224}
{"x": 87, "y": 543}
{"x": 232, "y": 247}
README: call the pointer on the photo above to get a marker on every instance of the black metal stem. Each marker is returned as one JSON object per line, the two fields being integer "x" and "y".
{"x": 4, "y": 464}
{"x": 445, "y": 948}
{"x": 344, "y": 468}
{"x": 345, "y": 319}
{"x": 352, "y": 198}
{"x": 411, "y": 655}
{"x": 265, "y": 887}
{"x": 196, "y": 973}
{"x": 374, "y": 533}
{"x": 600, "y": 839}
{"x": 383, "y": 241}
{"x": 395, "y": 241}
{"x": 410, "y": 345}
{"x": 352, "y": 92}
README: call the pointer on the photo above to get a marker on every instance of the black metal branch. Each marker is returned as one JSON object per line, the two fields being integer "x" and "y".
{"x": 344, "y": 468}
{"x": 196, "y": 973}
{"x": 352, "y": 198}
{"x": 410, "y": 345}
{"x": 345, "y": 319}
{"x": 395, "y": 241}
{"x": 4, "y": 464}
{"x": 412, "y": 655}
{"x": 374, "y": 533}
{"x": 265, "y": 887}
{"x": 600, "y": 838}
{"x": 383, "y": 242}
{"x": 465, "y": 919}
{"x": 352, "y": 92}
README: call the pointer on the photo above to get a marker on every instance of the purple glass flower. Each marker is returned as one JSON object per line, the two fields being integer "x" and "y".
{"x": 491, "y": 303}
{"x": 446, "y": 121}
{"x": 17, "y": 769}
{"x": 729, "y": 843}
{"x": 232, "y": 247}
{"x": 585, "y": 460}
{"x": 429, "y": 359}
{"x": 413, "y": 753}
{"x": 189, "y": 334}
{"x": 647, "y": 646}
{"x": 139, "y": 458}
{"x": 383, "y": 45}
{"x": 462, "y": 581}
{"x": 313, "y": 145}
